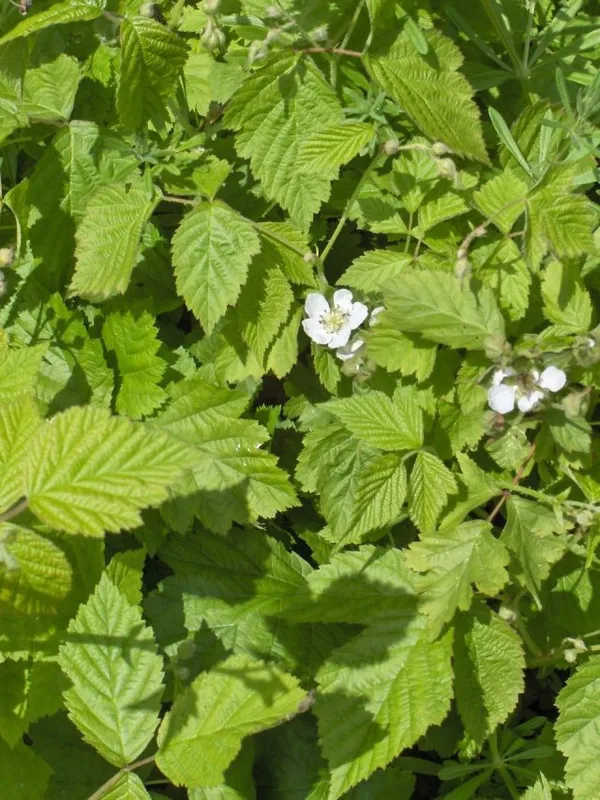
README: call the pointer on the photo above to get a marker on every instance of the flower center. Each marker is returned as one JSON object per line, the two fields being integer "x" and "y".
{"x": 334, "y": 320}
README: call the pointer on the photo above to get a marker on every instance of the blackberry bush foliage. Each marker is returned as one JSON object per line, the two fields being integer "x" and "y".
{"x": 299, "y": 369}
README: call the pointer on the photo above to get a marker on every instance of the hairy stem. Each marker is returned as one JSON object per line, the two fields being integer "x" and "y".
{"x": 341, "y": 51}
{"x": 99, "y": 793}
{"x": 15, "y": 510}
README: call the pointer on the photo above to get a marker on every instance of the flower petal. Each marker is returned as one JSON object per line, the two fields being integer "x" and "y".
{"x": 340, "y": 338}
{"x": 314, "y": 329}
{"x": 529, "y": 401}
{"x": 342, "y": 299}
{"x": 552, "y": 379}
{"x": 344, "y": 353}
{"x": 316, "y": 305}
{"x": 501, "y": 398}
{"x": 358, "y": 314}
{"x": 500, "y": 374}
{"x": 375, "y": 314}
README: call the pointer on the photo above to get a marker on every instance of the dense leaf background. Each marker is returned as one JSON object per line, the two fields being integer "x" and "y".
{"x": 299, "y": 362}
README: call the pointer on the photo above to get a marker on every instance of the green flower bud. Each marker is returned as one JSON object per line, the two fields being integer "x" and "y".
{"x": 439, "y": 149}
{"x": 446, "y": 169}
{"x": 273, "y": 12}
{"x": 147, "y": 10}
{"x": 213, "y": 37}
{"x": 211, "y": 6}
{"x": 7, "y": 255}
{"x": 320, "y": 34}
{"x": 391, "y": 147}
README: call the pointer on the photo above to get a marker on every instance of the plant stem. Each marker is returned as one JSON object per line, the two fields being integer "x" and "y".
{"x": 99, "y": 793}
{"x": 515, "y": 482}
{"x": 14, "y": 511}
{"x": 335, "y": 63}
{"x": 169, "y": 198}
{"x": 330, "y": 50}
{"x": 344, "y": 218}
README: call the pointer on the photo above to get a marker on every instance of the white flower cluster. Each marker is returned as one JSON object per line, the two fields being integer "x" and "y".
{"x": 526, "y": 391}
{"x": 332, "y": 325}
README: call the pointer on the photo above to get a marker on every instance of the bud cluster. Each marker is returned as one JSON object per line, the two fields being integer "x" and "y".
{"x": 212, "y": 38}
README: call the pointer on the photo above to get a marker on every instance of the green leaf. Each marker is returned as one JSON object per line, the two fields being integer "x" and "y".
{"x": 409, "y": 353}
{"x": 152, "y": 59}
{"x": 212, "y": 250}
{"x": 57, "y": 14}
{"x": 380, "y": 421}
{"x": 327, "y": 150}
{"x": 430, "y": 484}
{"x": 462, "y": 556}
{"x": 431, "y": 90}
{"x": 39, "y": 587}
{"x": 49, "y": 90}
{"x": 354, "y": 586}
{"x": 125, "y": 572}
{"x": 31, "y": 690}
{"x": 559, "y": 220}
{"x": 374, "y": 268}
{"x": 529, "y": 534}
{"x": 133, "y": 339}
{"x": 566, "y": 300}
{"x": 577, "y": 728}
{"x": 18, "y": 423}
{"x": 573, "y": 434}
{"x": 489, "y": 665}
{"x": 19, "y": 370}
{"x": 502, "y": 199}
{"x": 88, "y": 472}
{"x": 500, "y": 266}
{"x": 111, "y": 658}
{"x": 128, "y": 787}
{"x": 240, "y": 696}
{"x": 24, "y": 774}
{"x": 276, "y": 110}
{"x": 232, "y": 478}
{"x": 380, "y": 494}
{"x": 264, "y": 305}
{"x": 508, "y": 141}
{"x": 378, "y": 694}
{"x": 436, "y": 305}
{"x": 539, "y": 791}
{"x": 108, "y": 240}
{"x": 238, "y": 586}
{"x": 59, "y": 743}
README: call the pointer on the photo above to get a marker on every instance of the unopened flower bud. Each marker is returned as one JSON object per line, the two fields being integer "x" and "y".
{"x": 570, "y": 656}
{"x": 273, "y": 12}
{"x": 391, "y": 147}
{"x": 211, "y": 6}
{"x": 7, "y": 255}
{"x": 256, "y": 51}
{"x": 507, "y": 614}
{"x": 585, "y": 518}
{"x": 446, "y": 169}
{"x": 213, "y": 38}
{"x": 147, "y": 10}
{"x": 183, "y": 673}
{"x": 309, "y": 257}
{"x": 320, "y": 34}
{"x": 439, "y": 149}
{"x": 272, "y": 35}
